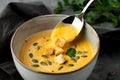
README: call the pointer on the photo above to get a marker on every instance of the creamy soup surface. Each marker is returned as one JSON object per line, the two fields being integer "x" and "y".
{"x": 43, "y": 54}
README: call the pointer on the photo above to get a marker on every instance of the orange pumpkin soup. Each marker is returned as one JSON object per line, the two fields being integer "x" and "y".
{"x": 41, "y": 53}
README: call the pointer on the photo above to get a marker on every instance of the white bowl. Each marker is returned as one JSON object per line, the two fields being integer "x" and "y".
{"x": 48, "y": 22}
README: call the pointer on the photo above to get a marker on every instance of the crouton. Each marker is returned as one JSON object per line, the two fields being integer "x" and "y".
{"x": 59, "y": 59}
{"x": 60, "y": 42}
{"x": 49, "y": 50}
{"x": 58, "y": 51}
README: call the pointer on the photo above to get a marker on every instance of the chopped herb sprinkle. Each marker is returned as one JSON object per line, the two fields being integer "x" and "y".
{"x": 35, "y": 44}
{"x": 34, "y": 60}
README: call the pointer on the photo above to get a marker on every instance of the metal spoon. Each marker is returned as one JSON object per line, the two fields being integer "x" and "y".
{"x": 76, "y": 22}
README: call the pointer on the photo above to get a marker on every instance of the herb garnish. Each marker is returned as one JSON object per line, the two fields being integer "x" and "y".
{"x": 71, "y": 52}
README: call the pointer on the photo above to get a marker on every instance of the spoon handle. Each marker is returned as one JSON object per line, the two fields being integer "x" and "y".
{"x": 85, "y": 8}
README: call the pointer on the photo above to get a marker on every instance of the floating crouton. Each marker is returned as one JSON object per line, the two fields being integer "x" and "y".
{"x": 60, "y": 42}
{"x": 58, "y": 51}
{"x": 59, "y": 59}
{"x": 49, "y": 50}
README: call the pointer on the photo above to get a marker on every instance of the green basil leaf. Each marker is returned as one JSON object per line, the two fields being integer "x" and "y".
{"x": 90, "y": 17}
{"x": 58, "y": 10}
{"x": 114, "y": 3}
{"x": 66, "y": 2}
{"x": 114, "y": 19}
{"x": 71, "y": 52}
{"x": 60, "y": 4}
{"x": 80, "y": 1}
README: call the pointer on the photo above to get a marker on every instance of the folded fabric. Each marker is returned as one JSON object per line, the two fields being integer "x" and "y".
{"x": 12, "y": 16}
{"x": 9, "y": 72}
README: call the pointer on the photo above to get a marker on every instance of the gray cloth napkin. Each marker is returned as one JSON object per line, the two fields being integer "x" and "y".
{"x": 12, "y": 16}
{"x": 107, "y": 66}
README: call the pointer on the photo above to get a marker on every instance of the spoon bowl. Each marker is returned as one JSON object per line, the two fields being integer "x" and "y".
{"x": 76, "y": 21}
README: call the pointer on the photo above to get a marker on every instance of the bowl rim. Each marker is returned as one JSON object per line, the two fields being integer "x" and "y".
{"x": 49, "y": 73}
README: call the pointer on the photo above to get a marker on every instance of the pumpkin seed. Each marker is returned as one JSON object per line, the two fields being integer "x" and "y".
{"x": 70, "y": 65}
{"x": 35, "y": 65}
{"x": 84, "y": 56}
{"x": 61, "y": 67}
{"x": 73, "y": 59}
{"x": 77, "y": 57}
{"x": 49, "y": 62}
{"x": 35, "y": 44}
{"x": 31, "y": 55}
{"x": 38, "y": 47}
{"x": 79, "y": 52}
{"x": 34, "y": 60}
{"x": 43, "y": 63}
{"x": 44, "y": 56}
{"x": 85, "y": 51}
